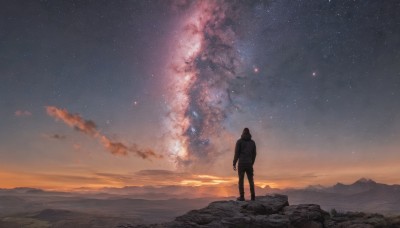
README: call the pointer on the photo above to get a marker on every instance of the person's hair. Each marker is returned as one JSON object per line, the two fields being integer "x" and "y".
{"x": 246, "y": 131}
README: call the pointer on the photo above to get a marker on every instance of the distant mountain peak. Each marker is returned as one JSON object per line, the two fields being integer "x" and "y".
{"x": 315, "y": 187}
{"x": 338, "y": 184}
{"x": 365, "y": 181}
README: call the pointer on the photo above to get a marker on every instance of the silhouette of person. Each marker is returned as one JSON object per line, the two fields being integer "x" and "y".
{"x": 245, "y": 152}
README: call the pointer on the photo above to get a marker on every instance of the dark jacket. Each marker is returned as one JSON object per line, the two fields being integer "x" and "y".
{"x": 245, "y": 151}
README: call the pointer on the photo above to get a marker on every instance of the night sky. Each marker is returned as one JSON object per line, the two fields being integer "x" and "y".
{"x": 98, "y": 93}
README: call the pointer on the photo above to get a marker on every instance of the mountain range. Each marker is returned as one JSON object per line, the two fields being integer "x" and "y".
{"x": 363, "y": 195}
{"x": 153, "y": 204}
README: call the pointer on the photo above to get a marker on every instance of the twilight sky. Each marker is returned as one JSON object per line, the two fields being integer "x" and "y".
{"x": 115, "y": 93}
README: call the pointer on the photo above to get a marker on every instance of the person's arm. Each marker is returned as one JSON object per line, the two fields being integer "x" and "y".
{"x": 237, "y": 150}
{"x": 254, "y": 153}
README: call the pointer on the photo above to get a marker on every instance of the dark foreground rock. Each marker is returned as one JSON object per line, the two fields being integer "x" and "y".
{"x": 272, "y": 211}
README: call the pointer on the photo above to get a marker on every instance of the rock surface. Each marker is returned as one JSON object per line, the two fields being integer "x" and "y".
{"x": 272, "y": 211}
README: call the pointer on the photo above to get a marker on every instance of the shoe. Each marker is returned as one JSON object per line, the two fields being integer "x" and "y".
{"x": 240, "y": 199}
{"x": 253, "y": 198}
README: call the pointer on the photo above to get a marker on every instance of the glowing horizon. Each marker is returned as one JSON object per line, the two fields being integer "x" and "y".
{"x": 52, "y": 181}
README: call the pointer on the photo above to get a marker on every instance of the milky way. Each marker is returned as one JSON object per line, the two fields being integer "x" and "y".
{"x": 205, "y": 61}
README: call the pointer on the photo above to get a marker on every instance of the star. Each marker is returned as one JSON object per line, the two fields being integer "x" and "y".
{"x": 256, "y": 70}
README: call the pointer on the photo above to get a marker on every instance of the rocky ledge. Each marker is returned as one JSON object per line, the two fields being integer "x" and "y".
{"x": 273, "y": 211}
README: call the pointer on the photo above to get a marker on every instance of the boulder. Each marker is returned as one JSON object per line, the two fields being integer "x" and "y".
{"x": 213, "y": 212}
{"x": 306, "y": 215}
{"x": 274, "y": 220}
{"x": 360, "y": 219}
{"x": 273, "y": 203}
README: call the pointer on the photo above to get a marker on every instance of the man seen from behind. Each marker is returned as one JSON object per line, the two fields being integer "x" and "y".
{"x": 245, "y": 152}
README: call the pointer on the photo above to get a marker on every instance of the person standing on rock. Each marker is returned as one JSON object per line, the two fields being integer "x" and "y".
{"x": 245, "y": 152}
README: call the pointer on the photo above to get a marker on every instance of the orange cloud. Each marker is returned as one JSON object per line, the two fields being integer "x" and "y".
{"x": 88, "y": 127}
{"x": 73, "y": 120}
{"x": 21, "y": 113}
{"x": 168, "y": 177}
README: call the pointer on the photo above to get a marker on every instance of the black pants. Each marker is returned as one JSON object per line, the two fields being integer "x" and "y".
{"x": 249, "y": 171}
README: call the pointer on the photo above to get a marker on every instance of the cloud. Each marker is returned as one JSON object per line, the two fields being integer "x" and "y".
{"x": 115, "y": 177}
{"x": 63, "y": 178}
{"x": 73, "y": 120}
{"x": 168, "y": 177}
{"x": 57, "y": 136}
{"x": 22, "y": 113}
{"x": 54, "y": 136}
{"x": 159, "y": 177}
{"x": 119, "y": 148}
{"x": 156, "y": 172}
{"x": 77, "y": 146}
{"x": 89, "y": 127}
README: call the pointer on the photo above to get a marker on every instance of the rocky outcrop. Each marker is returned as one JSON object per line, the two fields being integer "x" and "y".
{"x": 272, "y": 211}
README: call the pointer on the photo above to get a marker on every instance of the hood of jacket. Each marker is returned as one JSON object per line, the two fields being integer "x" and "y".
{"x": 246, "y": 136}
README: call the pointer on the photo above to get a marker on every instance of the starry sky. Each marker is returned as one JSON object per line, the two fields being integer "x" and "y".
{"x": 114, "y": 93}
